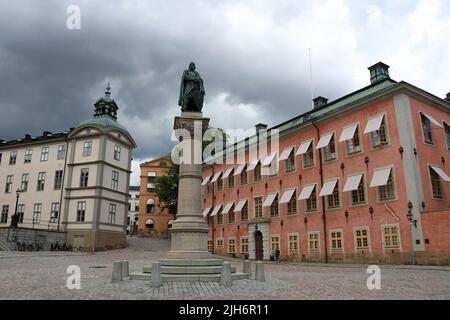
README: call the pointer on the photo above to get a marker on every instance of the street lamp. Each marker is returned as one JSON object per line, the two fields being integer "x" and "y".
{"x": 15, "y": 217}
{"x": 409, "y": 215}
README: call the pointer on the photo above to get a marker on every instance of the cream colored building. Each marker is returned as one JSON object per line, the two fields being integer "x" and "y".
{"x": 76, "y": 181}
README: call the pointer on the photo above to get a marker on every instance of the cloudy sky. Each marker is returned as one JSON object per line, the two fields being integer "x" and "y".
{"x": 252, "y": 55}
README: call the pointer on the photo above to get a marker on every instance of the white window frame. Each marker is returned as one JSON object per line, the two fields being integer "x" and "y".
{"x": 383, "y": 240}
{"x": 312, "y": 145}
{"x": 360, "y": 137}
{"x": 319, "y": 249}
{"x": 117, "y": 152}
{"x": 388, "y": 134}
{"x": 44, "y": 153}
{"x": 336, "y": 250}
{"x": 87, "y": 148}
{"x": 112, "y": 213}
{"x": 366, "y": 194}
{"x": 369, "y": 240}
{"x": 289, "y": 244}
{"x": 377, "y": 191}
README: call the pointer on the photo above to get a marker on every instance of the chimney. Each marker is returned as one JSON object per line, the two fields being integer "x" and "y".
{"x": 319, "y": 102}
{"x": 260, "y": 126}
{"x": 27, "y": 136}
{"x": 378, "y": 72}
{"x": 447, "y": 98}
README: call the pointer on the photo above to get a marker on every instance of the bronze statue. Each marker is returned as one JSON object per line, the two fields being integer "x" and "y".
{"x": 191, "y": 90}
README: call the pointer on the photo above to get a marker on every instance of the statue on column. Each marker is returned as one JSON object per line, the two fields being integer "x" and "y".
{"x": 191, "y": 90}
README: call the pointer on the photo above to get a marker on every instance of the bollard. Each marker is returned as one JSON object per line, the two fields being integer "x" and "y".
{"x": 226, "y": 274}
{"x": 247, "y": 267}
{"x": 259, "y": 271}
{"x": 117, "y": 271}
{"x": 156, "y": 279}
{"x": 125, "y": 269}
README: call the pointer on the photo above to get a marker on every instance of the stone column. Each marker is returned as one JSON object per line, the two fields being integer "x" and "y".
{"x": 189, "y": 231}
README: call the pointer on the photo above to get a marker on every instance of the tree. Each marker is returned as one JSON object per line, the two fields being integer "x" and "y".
{"x": 166, "y": 187}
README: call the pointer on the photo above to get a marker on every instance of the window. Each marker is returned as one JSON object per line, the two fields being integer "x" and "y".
{"x": 231, "y": 180}
{"x": 274, "y": 244}
{"x": 293, "y": 244}
{"x": 117, "y": 150}
{"x": 87, "y": 148}
{"x": 231, "y": 245}
{"x": 353, "y": 145}
{"x": 84, "y": 177}
{"x": 244, "y": 176}
{"x": 41, "y": 181}
{"x": 333, "y": 200}
{"x": 231, "y": 215}
{"x": 9, "y": 182}
{"x": 435, "y": 184}
{"x": 391, "y": 237}
{"x": 28, "y": 155}
{"x": 244, "y": 245}
{"x": 329, "y": 151}
{"x": 21, "y": 212}
{"x": 57, "y": 184}
{"x": 54, "y": 213}
{"x": 210, "y": 245}
{"x": 359, "y": 195}
{"x": 219, "y": 243}
{"x": 151, "y": 178}
{"x": 292, "y": 204}
{"x": 81, "y": 211}
{"x": 61, "y": 152}
{"x": 115, "y": 180}
{"x": 387, "y": 192}
{"x": 150, "y": 206}
{"x": 447, "y": 135}
{"x": 289, "y": 163}
{"x": 24, "y": 182}
{"x": 311, "y": 202}
{"x": 362, "y": 238}
{"x": 244, "y": 212}
{"x": 308, "y": 157}
{"x": 5, "y": 211}
{"x": 379, "y": 137}
{"x": 219, "y": 184}
{"x": 336, "y": 240}
{"x": 44, "y": 154}
{"x": 209, "y": 188}
{"x": 426, "y": 129}
{"x": 37, "y": 211}
{"x": 274, "y": 207}
{"x": 258, "y": 207}
{"x": 220, "y": 218}
{"x": 313, "y": 241}
{"x": 12, "y": 157}
{"x": 112, "y": 214}
{"x": 257, "y": 172}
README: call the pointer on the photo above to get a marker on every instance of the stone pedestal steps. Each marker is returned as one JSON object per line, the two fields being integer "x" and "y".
{"x": 189, "y": 270}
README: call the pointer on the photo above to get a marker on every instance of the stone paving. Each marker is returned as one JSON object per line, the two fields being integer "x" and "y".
{"x": 42, "y": 275}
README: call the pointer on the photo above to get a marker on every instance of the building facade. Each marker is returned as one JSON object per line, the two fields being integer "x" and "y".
{"x": 75, "y": 181}
{"x": 133, "y": 210}
{"x": 154, "y": 219}
{"x": 363, "y": 178}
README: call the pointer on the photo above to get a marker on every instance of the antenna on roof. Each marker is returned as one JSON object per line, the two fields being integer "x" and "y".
{"x": 311, "y": 79}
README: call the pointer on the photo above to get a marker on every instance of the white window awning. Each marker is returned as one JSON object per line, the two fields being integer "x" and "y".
{"x": 227, "y": 172}
{"x": 348, "y": 132}
{"x": 253, "y": 165}
{"x": 206, "y": 180}
{"x": 151, "y": 174}
{"x": 149, "y": 222}
{"x": 286, "y": 153}
{"x": 324, "y": 140}
{"x": 239, "y": 169}
{"x": 303, "y": 148}
{"x": 269, "y": 200}
{"x": 216, "y": 209}
{"x": 227, "y": 207}
{"x": 287, "y": 196}
{"x": 352, "y": 182}
{"x": 374, "y": 124}
{"x": 380, "y": 177}
{"x": 216, "y": 176}
{"x": 206, "y": 211}
{"x": 433, "y": 120}
{"x": 440, "y": 173}
{"x": 328, "y": 188}
{"x": 240, "y": 205}
{"x": 269, "y": 159}
{"x": 306, "y": 192}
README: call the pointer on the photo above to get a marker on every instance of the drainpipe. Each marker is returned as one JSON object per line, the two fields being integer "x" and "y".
{"x": 324, "y": 217}
{"x": 62, "y": 183}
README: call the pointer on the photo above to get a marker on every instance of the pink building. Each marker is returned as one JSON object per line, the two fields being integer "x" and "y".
{"x": 363, "y": 178}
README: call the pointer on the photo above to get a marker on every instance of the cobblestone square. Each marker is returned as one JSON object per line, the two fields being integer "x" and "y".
{"x": 42, "y": 275}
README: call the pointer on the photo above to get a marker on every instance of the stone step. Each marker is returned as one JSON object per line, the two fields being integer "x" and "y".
{"x": 191, "y": 262}
{"x": 188, "y": 270}
{"x": 187, "y": 277}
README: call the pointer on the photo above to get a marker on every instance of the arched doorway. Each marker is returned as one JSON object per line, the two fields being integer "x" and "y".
{"x": 259, "y": 250}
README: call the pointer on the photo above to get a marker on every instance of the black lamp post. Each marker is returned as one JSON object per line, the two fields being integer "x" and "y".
{"x": 15, "y": 217}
